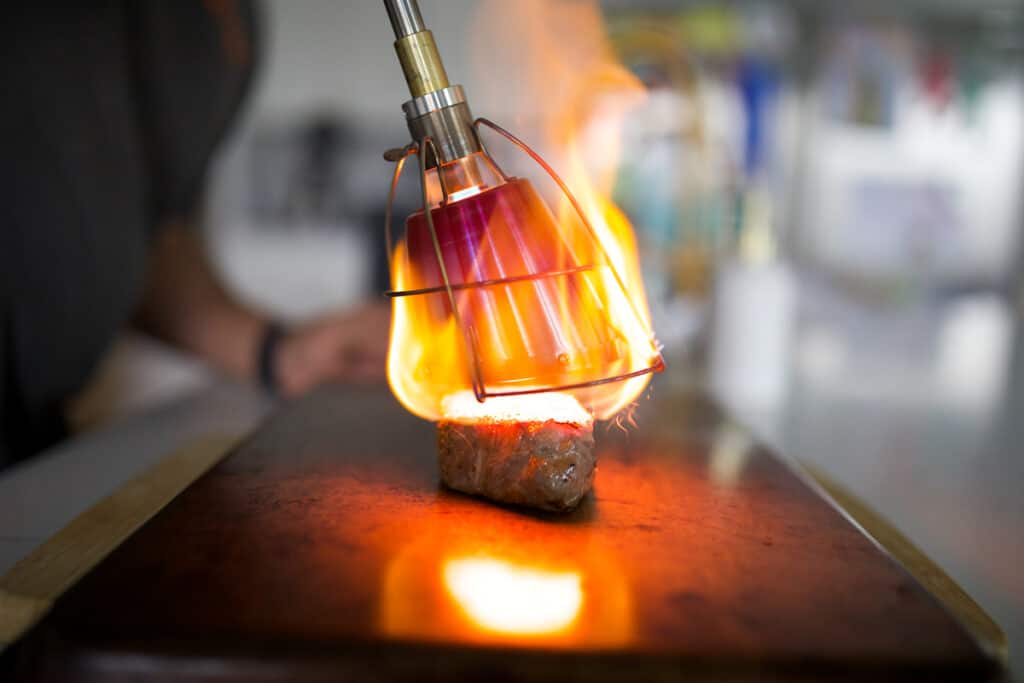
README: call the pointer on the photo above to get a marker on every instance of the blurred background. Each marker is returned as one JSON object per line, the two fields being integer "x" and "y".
{"x": 827, "y": 197}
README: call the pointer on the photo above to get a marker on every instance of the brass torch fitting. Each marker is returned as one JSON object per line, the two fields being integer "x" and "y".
{"x": 437, "y": 110}
{"x": 421, "y": 63}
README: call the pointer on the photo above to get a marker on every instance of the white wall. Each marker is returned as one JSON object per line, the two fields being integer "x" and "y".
{"x": 980, "y": 163}
{"x": 328, "y": 53}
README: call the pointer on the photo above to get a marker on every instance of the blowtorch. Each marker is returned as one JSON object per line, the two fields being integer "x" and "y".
{"x": 491, "y": 293}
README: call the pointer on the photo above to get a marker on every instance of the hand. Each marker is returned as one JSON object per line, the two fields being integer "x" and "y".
{"x": 349, "y": 347}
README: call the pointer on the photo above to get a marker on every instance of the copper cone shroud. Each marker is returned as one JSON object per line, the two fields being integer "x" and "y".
{"x": 493, "y": 294}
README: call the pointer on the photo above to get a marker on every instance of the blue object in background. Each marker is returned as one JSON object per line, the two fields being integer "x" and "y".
{"x": 758, "y": 82}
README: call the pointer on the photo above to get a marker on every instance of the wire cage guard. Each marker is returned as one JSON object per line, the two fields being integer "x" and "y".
{"x": 423, "y": 151}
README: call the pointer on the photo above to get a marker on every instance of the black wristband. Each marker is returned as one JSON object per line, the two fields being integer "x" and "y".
{"x": 272, "y": 337}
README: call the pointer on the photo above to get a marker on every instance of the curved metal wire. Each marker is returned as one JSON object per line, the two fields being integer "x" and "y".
{"x": 399, "y": 165}
{"x": 491, "y": 283}
{"x": 539, "y": 160}
{"x": 476, "y": 374}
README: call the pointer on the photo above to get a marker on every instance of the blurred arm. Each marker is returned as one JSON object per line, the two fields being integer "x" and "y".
{"x": 185, "y": 304}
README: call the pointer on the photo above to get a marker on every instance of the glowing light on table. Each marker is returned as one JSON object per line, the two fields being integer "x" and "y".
{"x": 501, "y": 597}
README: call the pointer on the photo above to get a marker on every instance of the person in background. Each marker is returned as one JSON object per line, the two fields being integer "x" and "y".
{"x": 112, "y": 111}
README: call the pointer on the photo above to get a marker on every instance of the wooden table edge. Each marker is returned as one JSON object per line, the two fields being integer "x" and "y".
{"x": 29, "y": 589}
{"x": 988, "y": 635}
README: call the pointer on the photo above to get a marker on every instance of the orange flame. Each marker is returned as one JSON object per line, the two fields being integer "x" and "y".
{"x": 540, "y": 300}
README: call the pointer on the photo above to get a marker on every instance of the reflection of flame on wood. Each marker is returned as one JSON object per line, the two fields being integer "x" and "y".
{"x": 503, "y": 597}
{"x": 517, "y": 589}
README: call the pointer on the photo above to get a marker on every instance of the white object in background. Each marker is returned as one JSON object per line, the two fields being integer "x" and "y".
{"x": 294, "y": 274}
{"x": 752, "y": 324}
{"x": 974, "y": 348}
{"x": 40, "y": 495}
{"x": 138, "y": 373}
{"x": 821, "y": 354}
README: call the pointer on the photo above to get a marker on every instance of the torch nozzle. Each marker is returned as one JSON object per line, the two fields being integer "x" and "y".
{"x": 417, "y": 52}
{"x": 438, "y": 114}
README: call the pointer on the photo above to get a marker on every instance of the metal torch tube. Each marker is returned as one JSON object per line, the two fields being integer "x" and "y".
{"x": 417, "y": 52}
{"x": 405, "y": 17}
{"x": 438, "y": 110}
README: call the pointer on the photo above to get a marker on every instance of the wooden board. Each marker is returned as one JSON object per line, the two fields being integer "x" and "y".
{"x": 323, "y": 548}
{"x": 28, "y": 590}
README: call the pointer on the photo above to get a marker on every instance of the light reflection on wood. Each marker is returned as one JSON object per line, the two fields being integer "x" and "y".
{"x": 505, "y": 587}
{"x": 505, "y": 597}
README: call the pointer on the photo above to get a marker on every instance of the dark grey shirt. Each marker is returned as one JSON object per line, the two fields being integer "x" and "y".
{"x": 110, "y": 114}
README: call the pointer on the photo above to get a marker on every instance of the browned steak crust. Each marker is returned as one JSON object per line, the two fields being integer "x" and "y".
{"x": 547, "y": 465}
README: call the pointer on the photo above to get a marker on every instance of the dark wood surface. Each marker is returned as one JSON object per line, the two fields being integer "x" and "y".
{"x": 319, "y": 550}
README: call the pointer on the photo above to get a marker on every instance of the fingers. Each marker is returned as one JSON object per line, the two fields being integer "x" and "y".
{"x": 365, "y": 373}
{"x": 357, "y": 366}
{"x": 347, "y": 348}
{"x": 366, "y": 335}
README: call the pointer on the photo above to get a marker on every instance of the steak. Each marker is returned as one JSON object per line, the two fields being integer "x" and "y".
{"x": 541, "y": 464}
